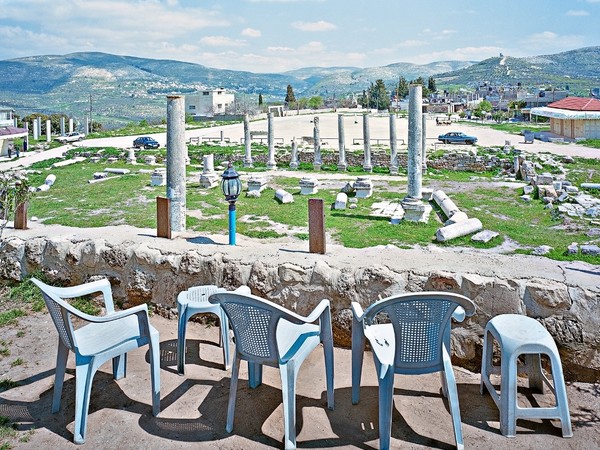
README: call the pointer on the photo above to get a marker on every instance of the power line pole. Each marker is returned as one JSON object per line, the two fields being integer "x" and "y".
{"x": 91, "y": 122}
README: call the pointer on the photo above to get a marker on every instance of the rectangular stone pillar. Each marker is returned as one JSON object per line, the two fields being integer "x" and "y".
{"x": 316, "y": 226}
{"x": 271, "y": 164}
{"x": 48, "y": 131}
{"x": 163, "y": 223}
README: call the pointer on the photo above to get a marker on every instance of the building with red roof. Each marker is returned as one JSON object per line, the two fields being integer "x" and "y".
{"x": 573, "y": 117}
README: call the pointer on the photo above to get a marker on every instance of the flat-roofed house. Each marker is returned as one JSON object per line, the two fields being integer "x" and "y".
{"x": 8, "y": 131}
{"x": 573, "y": 117}
{"x": 208, "y": 103}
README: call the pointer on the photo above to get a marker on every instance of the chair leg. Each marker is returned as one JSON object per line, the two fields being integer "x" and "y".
{"x": 358, "y": 353}
{"x": 255, "y": 371}
{"x": 560, "y": 392}
{"x": 224, "y": 339}
{"x": 533, "y": 364}
{"x": 235, "y": 370}
{"x": 288, "y": 373}
{"x": 486, "y": 360}
{"x": 84, "y": 374}
{"x": 59, "y": 375}
{"x": 386, "y": 403}
{"x": 119, "y": 364}
{"x": 329, "y": 372}
{"x": 508, "y": 396}
{"x": 181, "y": 328}
{"x": 155, "y": 372}
{"x": 452, "y": 394}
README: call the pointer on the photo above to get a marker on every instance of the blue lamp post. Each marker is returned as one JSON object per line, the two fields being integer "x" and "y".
{"x": 231, "y": 187}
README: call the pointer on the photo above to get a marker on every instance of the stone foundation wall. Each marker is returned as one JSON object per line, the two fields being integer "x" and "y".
{"x": 144, "y": 271}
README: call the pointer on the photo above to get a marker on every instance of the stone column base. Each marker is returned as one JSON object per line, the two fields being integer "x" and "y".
{"x": 416, "y": 210}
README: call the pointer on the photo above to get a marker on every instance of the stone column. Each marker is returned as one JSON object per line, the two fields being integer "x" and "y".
{"x": 87, "y": 125}
{"x": 39, "y": 123}
{"x": 317, "y": 145}
{"x": 35, "y": 130}
{"x": 342, "y": 164}
{"x": 393, "y": 146}
{"x": 271, "y": 164}
{"x": 294, "y": 159}
{"x": 62, "y": 126}
{"x": 48, "y": 131}
{"x": 176, "y": 155}
{"x": 247, "y": 142}
{"x": 415, "y": 130}
{"x": 414, "y": 209}
{"x": 424, "y": 144}
{"x": 367, "y": 143}
{"x": 70, "y": 125}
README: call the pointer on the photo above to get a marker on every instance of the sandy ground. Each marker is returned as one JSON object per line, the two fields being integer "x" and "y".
{"x": 293, "y": 126}
{"x": 194, "y": 406}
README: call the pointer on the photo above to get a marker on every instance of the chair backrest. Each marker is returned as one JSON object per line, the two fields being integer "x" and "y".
{"x": 254, "y": 321}
{"x": 60, "y": 313}
{"x": 200, "y": 294}
{"x": 421, "y": 324}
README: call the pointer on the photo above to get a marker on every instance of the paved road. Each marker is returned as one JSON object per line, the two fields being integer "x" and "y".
{"x": 290, "y": 127}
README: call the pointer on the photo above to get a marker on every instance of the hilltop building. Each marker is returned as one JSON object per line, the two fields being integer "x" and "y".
{"x": 209, "y": 103}
{"x": 573, "y": 117}
{"x": 8, "y": 130}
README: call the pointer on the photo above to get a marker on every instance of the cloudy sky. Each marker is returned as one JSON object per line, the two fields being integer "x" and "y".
{"x": 280, "y": 35}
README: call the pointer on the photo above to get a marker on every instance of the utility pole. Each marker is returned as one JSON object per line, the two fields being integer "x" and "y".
{"x": 91, "y": 122}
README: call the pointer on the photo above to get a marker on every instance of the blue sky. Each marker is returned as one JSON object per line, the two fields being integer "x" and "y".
{"x": 281, "y": 35}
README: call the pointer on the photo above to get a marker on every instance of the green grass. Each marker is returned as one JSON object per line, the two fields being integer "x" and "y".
{"x": 513, "y": 128}
{"x": 593, "y": 143}
{"x": 10, "y": 317}
{"x": 17, "y": 362}
{"x": 7, "y": 383}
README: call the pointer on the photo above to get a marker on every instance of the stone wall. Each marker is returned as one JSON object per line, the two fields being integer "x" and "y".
{"x": 146, "y": 269}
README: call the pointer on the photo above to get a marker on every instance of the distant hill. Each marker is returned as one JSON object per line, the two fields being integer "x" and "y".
{"x": 125, "y": 88}
{"x": 578, "y": 69}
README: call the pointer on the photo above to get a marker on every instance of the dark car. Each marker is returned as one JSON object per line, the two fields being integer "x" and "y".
{"x": 146, "y": 142}
{"x": 457, "y": 137}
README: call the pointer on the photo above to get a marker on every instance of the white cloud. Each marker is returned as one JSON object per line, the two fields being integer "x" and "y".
{"x": 577, "y": 13}
{"x": 458, "y": 54}
{"x": 551, "y": 42}
{"x": 321, "y": 25}
{"x": 448, "y": 32}
{"x": 222, "y": 41}
{"x": 251, "y": 32}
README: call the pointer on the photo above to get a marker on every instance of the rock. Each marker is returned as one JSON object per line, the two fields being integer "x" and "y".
{"x": 484, "y": 236}
{"x": 341, "y": 201}
{"x": 458, "y": 229}
{"x": 589, "y": 249}
{"x": 563, "y": 197}
{"x": 50, "y": 179}
{"x": 571, "y": 189}
{"x": 253, "y": 194}
{"x": 573, "y": 249}
{"x": 590, "y": 185}
{"x": 541, "y": 250}
{"x": 568, "y": 159}
{"x": 548, "y": 200}
{"x": 528, "y": 190}
{"x": 594, "y": 211}
{"x": 348, "y": 188}
{"x": 525, "y": 198}
{"x": 284, "y": 196}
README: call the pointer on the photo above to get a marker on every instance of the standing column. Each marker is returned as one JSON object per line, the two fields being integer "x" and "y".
{"x": 247, "y": 142}
{"x": 342, "y": 165}
{"x": 35, "y": 130}
{"x": 62, "y": 126}
{"x": 48, "y": 131}
{"x": 71, "y": 125}
{"x": 176, "y": 154}
{"x": 317, "y": 162}
{"x": 294, "y": 158}
{"x": 367, "y": 144}
{"x": 39, "y": 125}
{"x": 423, "y": 144}
{"x": 393, "y": 146}
{"x": 87, "y": 125}
{"x": 415, "y": 124}
{"x": 271, "y": 164}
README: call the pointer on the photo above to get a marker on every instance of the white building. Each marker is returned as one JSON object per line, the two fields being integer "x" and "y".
{"x": 7, "y": 117}
{"x": 208, "y": 103}
{"x": 8, "y": 131}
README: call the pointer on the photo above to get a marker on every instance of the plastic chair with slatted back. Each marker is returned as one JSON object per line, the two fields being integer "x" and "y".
{"x": 268, "y": 334}
{"x": 409, "y": 334}
{"x": 98, "y": 341}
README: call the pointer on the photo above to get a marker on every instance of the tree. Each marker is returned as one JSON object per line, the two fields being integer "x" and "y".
{"x": 431, "y": 84}
{"x": 482, "y": 109}
{"x": 315, "y": 102}
{"x": 378, "y": 96}
{"x": 289, "y": 96}
{"x": 421, "y": 81}
{"x": 260, "y": 100}
{"x": 402, "y": 88}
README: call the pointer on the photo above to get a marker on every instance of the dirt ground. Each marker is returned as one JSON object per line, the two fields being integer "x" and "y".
{"x": 193, "y": 407}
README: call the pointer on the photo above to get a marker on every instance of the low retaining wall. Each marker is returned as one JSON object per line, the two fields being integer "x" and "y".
{"x": 564, "y": 297}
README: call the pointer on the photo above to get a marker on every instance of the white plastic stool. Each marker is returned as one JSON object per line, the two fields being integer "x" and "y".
{"x": 521, "y": 335}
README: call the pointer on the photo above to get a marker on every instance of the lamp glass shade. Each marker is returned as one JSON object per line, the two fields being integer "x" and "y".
{"x": 231, "y": 184}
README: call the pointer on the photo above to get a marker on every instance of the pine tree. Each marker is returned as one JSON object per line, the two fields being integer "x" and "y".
{"x": 402, "y": 89}
{"x": 260, "y": 100}
{"x": 289, "y": 96}
{"x": 431, "y": 84}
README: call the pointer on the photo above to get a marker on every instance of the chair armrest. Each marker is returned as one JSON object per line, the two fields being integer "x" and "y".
{"x": 357, "y": 311}
{"x": 459, "y": 314}
{"x": 317, "y": 312}
{"x": 102, "y": 286}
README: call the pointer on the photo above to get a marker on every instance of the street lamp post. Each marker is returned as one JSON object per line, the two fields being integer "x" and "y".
{"x": 231, "y": 187}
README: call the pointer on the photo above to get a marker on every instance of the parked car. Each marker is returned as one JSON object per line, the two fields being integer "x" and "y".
{"x": 146, "y": 142}
{"x": 71, "y": 137}
{"x": 457, "y": 137}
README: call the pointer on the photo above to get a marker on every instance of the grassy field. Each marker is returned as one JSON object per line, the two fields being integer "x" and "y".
{"x": 129, "y": 199}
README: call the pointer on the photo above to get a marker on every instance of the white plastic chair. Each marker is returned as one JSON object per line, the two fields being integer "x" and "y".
{"x": 195, "y": 301}
{"x": 99, "y": 340}
{"x": 409, "y": 334}
{"x": 268, "y": 334}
